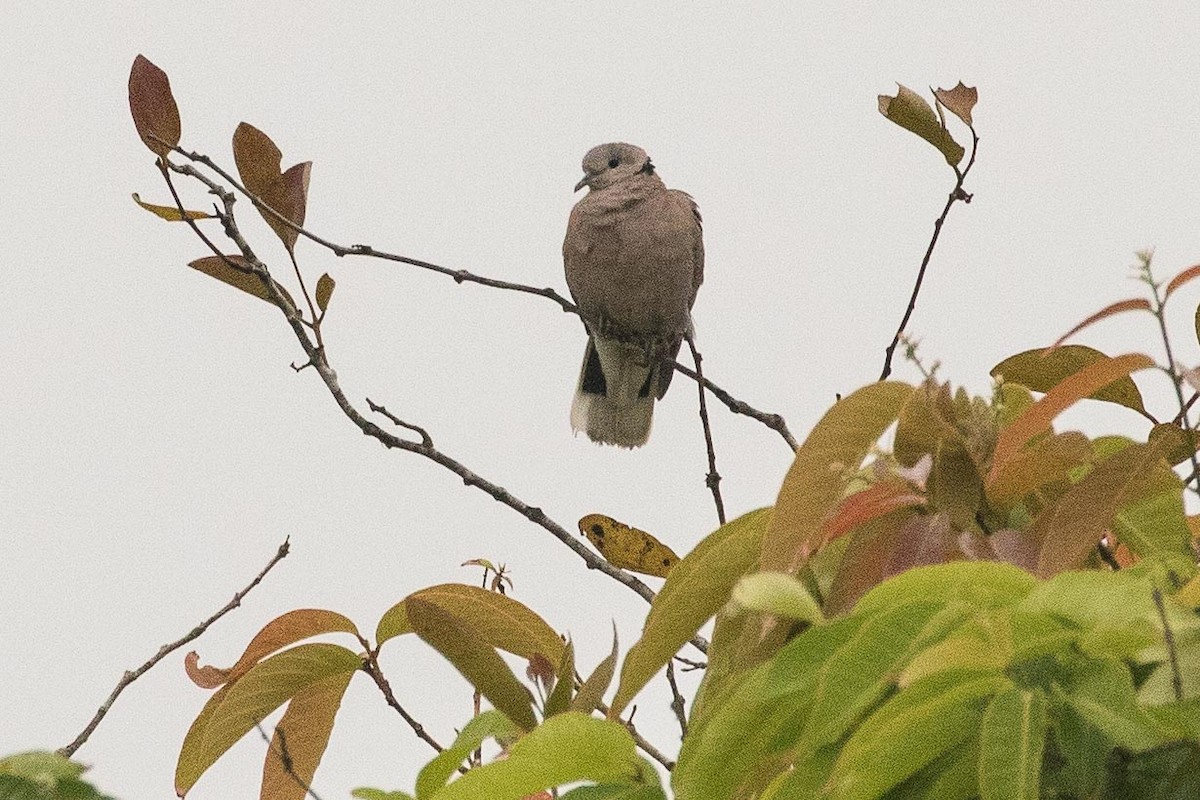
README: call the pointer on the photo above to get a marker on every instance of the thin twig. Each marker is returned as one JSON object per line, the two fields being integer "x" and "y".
{"x": 643, "y": 744}
{"x": 371, "y": 667}
{"x": 773, "y": 421}
{"x": 713, "y": 479}
{"x": 956, "y": 194}
{"x": 285, "y": 758}
{"x": 165, "y": 650}
{"x": 676, "y": 699}
{"x": 1169, "y": 639}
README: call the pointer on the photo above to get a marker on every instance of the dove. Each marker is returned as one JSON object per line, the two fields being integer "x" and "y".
{"x": 634, "y": 259}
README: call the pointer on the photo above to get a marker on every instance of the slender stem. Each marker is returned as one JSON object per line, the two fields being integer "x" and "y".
{"x": 1172, "y": 650}
{"x": 713, "y": 479}
{"x": 165, "y": 650}
{"x": 956, "y": 194}
{"x": 676, "y": 699}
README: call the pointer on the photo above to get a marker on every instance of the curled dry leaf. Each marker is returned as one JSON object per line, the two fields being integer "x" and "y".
{"x": 152, "y": 105}
{"x": 238, "y": 274}
{"x": 958, "y": 101}
{"x": 910, "y": 111}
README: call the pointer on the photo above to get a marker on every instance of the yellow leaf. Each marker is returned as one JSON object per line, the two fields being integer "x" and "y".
{"x": 626, "y": 547}
{"x": 171, "y": 213}
{"x": 910, "y": 111}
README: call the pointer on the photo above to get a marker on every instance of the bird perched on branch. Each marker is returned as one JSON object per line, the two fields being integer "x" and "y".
{"x": 634, "y": 258}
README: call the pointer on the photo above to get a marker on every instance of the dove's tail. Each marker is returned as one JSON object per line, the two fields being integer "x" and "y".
{"x": 614, "y": 403}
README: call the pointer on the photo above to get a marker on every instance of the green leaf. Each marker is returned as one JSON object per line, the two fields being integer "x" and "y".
{"x": 1169, "y": 772}
{"x": 1103, "y": 696}
{"x": 1042, "y": 369}
{"x": 694, "y": 590}
{"x": 814, "y": 483}
{"x": 303, "y": 733}
{"x": 237, "y": 708}
{"x": 564, "y": 682}
{"x": 912, "y": 729}
{"x": 615, "y": 791}
{"x": 776, "y": 593}
{"x": 910, "y": 111}
{"x": 490, "y": 724}
{"x": 501, "y": 621}
{"x": 565, "y": 748}
{"x": 591, "y": 692}
{"x": 470, "y": 653}
{"x": 364, "y": 793}
{"x": 41, "y": 766}
{"x": 1012, "y": 739}
{"x": 979, "y": 584}
{"x": 325, "y": 285}
{"x": 1156, "y": 526}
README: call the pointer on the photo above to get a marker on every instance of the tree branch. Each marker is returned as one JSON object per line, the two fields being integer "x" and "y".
{"x": 165, "y": 650}
{"x": 713, "y": 479}
{"x": 956, "y": 194}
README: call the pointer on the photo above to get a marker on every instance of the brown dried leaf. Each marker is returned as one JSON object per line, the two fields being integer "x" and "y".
{"x": 1044, "y": 461}
{"x": 171, "y": 213}
{"x": 257, "y": 158}
{"x": 325, "y": 286}
{"x": 959, "y": 100}
{"x": 289, "y": 196}
{"x": 152, "y": 105}
{"x": 240, "y": 277}
{"x": 303, "y": 733}
{"x": 258, "y": 162}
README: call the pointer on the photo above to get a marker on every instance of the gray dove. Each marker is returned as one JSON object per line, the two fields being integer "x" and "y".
{"x": 634, "y": 258}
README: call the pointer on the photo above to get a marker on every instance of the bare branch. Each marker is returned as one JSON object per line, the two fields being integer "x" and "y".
{"x": 676, "y": 699}
{"x": 773, "y": 421}
{"x": 956, "y": 194}
{"x": 371, "y": 667}
{"x": 167, "y": 649}
{"x": 713, "y": 479}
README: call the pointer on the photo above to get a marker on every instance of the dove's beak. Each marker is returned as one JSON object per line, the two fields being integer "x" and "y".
{"x": 582, "y": 183}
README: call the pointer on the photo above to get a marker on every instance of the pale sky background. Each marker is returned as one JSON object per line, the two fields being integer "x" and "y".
{"x": 156, "y": 447}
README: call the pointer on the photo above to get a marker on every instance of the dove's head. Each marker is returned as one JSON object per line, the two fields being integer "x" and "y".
{"x": 607, "y": 164}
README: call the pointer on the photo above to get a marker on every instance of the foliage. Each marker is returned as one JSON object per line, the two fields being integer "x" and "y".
{"x": 949, "y": 598}
{"x": 45, "y": 776}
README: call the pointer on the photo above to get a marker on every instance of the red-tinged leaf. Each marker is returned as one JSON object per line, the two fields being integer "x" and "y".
{"x": 959, "y": 100}
{"x": 1038, "y": 418}
{"x": 171, "y": 213}
{"x": 501, "y": 621}
{"x": 237, "y": 708}
{"x": 1043, "y": 461}
{"x": 325, "y": 285}
{"x": 284, "y": 630}
{"x": 1197, "y": 323}
{"x": 1186, "y": 276}
{"x": 302, "y": 734}
{"x": 240, "y": 276}
{"x": 813, "y": 486}
{"x": 1119, "y": 307}
{"x": 257, "y": 158}
{"x": 871, "y": 503}
{"x": 152, "y": 105}
{"x": 463, "y": 646}
{"x": 1069, "y": 529}
{"x": 288, "y": 196}
{"x": 887, "y": 546}
{"x": 1043, "y": 368}
{"x": 910, "y": 111}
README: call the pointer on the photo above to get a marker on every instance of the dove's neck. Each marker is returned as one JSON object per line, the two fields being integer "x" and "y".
{"x": 628, "y": 192}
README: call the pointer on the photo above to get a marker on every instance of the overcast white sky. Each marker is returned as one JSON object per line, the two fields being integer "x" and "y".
{"x": 155, "y": 446}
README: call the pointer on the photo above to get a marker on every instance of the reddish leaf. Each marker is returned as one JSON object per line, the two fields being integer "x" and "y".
{"x": 240, "y": 276}
{"x": 303, "y": 734}
{"x": 152, "y": 105}
{"x": 1044, "y": 461}
{"x": 1187, "y": 275}
{"x": 875, "y": 501}
{"x": 258, "y": 162}
{"x": 1119, "y": 307}
{"x": 257, "y": 158}
{"x": 284, "y": 630}
{"x": 959, "y": 100}
{"x": 1038, "y": 418}
{"x": 1069, "y": 529}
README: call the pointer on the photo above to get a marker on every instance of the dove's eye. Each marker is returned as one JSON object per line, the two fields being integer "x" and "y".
{"x": 612, "y": 163}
